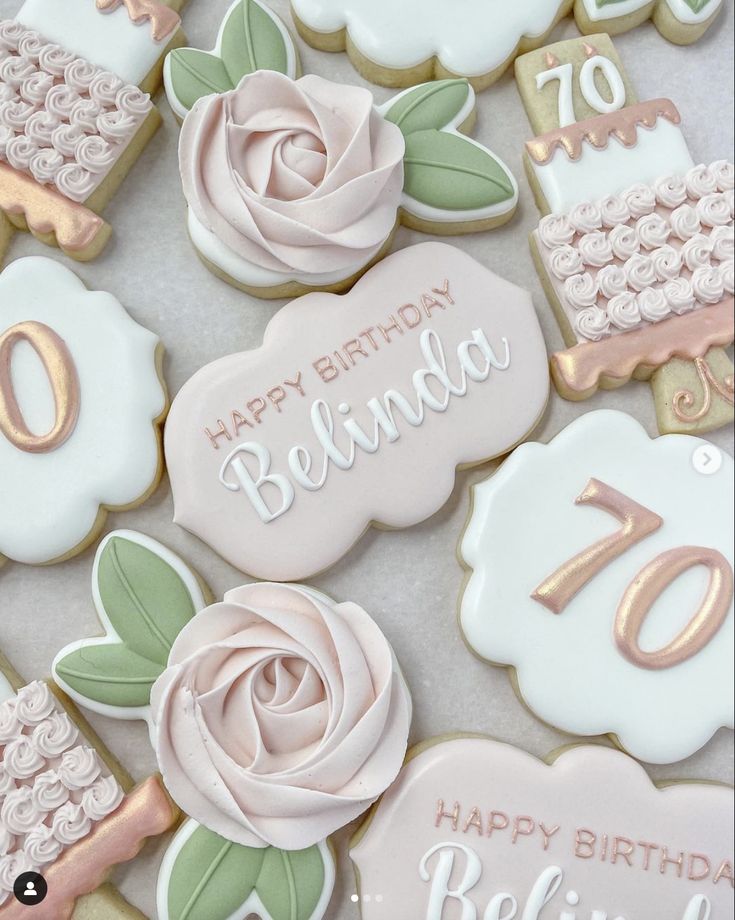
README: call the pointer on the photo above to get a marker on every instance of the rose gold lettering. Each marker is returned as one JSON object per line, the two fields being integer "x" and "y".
{"x": 523, "y": 826}
{"x": 257, "y": 407}
{"x": 648, "y": 848}
{"x": 215, "y": 435}
{"x": 453, "y": 815}
{"x": 326, "y": 369}
{"x": 695, "y": 874}
{"x": 474, "y": 820}
{"x": 725, "y": 871}
{"x": 548, "y": 833}
{"x": 368, "y": 334}
{"x": 430, "y": 303}
{"x": 585, "y": 839}
{"x": 393, "y": 325}
{"x": 667, "y": 861}
{"x": 276, "y": 396}
{"x": 407, "y": 309}
{"x": 622, "y": 847}
{"x": 239, "y": 421}
{"x": 352, "y": 348}
{"x": 444, "y": 292}
{"x": 498, "y": 822}
{"x": 296, "y": 384}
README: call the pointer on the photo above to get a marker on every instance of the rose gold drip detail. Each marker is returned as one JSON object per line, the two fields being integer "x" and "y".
{"x": 146, "y": 812}
{"x": 46, "y": 211}
{"x": 649, "y": 585}
{"x": 597, "y": 131}
{"x": 164, "y": 21}
{"x": 551, "y": 60}
{"x": 616, "y": 359}
{"x": 685, "y": 399}
{"x": 589, "y": 50}
{"x": 62, "y": 375}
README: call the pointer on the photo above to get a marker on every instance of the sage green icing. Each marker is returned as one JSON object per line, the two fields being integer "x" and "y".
{"x": 431, "y": 105}
{"x": 144, "y": 598}
{"x": 212, "y": 878}
{"x": 111, "y": 674}
{"x": 448, "y": 171}
{"x": 697, "y": 6}
{"x": 251, "y": 40}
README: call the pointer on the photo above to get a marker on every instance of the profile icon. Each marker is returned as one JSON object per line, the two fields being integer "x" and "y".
{"x": 30, "y": 888}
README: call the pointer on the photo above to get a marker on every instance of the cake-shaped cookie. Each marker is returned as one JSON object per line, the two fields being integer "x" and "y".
{"x": 636, "y": 248}
{"x": 295, "y": 185}
{"x": 75, "y": 112}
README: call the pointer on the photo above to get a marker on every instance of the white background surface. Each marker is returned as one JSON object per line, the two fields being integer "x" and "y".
{"x": 408, "y": 581}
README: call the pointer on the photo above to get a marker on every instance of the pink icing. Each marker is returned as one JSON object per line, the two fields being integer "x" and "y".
{"x": 281, "y": 717}
{"x": 294, "y": 176}
{"x": 592, "y": 803}
{"x": 340, "y": 356}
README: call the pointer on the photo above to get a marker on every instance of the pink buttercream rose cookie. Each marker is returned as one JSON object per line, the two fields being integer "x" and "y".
{"x": 281, "y": 717}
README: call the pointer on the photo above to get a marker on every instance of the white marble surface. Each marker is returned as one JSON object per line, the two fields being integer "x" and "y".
{"x": 409, "y": 581}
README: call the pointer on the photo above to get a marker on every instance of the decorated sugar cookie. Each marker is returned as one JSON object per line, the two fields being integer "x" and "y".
{"x": 475, "y": 828}
{"x": 356, "y": 409}
{"x": 75, "y": 112}
{"x": 81, "y": 396}
{"x": 294, "y": 185}
{"x": 636, "y": 248}
{"x": 610, "y": 594}
{"x": 402, "y": 44}
{"x": 277, "y": 717}
{"x": 68, "y": 811}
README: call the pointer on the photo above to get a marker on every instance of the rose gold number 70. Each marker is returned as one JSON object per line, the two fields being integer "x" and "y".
{"x": 557, "y": 591}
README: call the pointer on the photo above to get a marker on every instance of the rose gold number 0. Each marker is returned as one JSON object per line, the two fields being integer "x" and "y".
{"x": 62, "y": 375}
{"x": 557, "y": 591}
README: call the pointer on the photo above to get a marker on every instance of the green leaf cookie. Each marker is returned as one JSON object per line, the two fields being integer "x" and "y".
{"x": 431, "y": 105}
{"x": 197, "y": 73}
{"x": 110, "y": 674}
{"x": 448, "y": 171}
{"x": 252, "y": 41}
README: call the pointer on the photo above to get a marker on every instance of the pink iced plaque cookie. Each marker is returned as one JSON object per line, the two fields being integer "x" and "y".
{"x": 474, "y": 828}
{"x": 356, "y": 409}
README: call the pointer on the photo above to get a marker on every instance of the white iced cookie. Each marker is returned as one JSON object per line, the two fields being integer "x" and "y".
{"x": 80, "y": 401}
{"x": 609, "y": 593}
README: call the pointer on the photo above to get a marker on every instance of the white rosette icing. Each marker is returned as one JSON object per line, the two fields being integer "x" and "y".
{"x": 55, "y": 735}
{"x": 612, "y": 280}
{"x": 714, "y": 210}
{"x": 74, "y": 182}
{"x": 13, "y": 865}
{"x": 21, "y": 759}
{"x": 20, "y": 151}
{"x": 78, "y": 74}
{"x": 36, "y": 87}
{"x": 9, "y": 724}
{"x": 34, "y": 703}
{"x": 13, "y": 70}
{"x": 84, "y": 115}
{"x": 70, "y": 824}
{"x": 15, "y": 114}
{"x": 7, "y": 782}
{"x": 586, "y": 217}
{"x": 666, "y": 263}
{"x": 708, "y": 285}
{"x": 7, "y": 840}
{"x": 624, "y": 312}
{"x": 653, "y": 305}
{"x": 723, "y": 243}
{"x": 61, "y": 100}
{"x": 132, "y": 101}
{"x": 102, "y": 798}
{"x": 30, "y": 45}
{"x": 48, "y": 792}
{"x": 41, "y": 845}
{"x": 679, "y": 295}
{"x": 116, "y": 127}
{"x": 8, "y": 94}
{"x": 45, "y": 164}
{"x": 624, "y": 241}
{"x": 65, "y": 139}
{"x": 640, "y": 272}
{"x": 11, "y": 32}
{"x": 40, "y": 128}
{"x": 95, "y": 154}
{"x": 724, "y": 173}
{"x": 104, "y": 88}
{"x": 555, "y": 231}
{"x": 19, "y": 812}
{"x": 697, "y": 252}
{"x": 614, "y": 210}
{"x": 580, "y": 291}
{"x": 55, "y": 59}
{"x": 593, "y": 324}
{"x": 653, "y": 231}
{"x": 565, "y": 261}
{"x": 595, "y": 248}
{"x": 727, "y": 270}
{"x": 685, "y": 222}
{"x": 641, "y": 200}
{"x": 700, "y": 181}
{"x": 79, "y": 767}
{"x": 670, "y": 191}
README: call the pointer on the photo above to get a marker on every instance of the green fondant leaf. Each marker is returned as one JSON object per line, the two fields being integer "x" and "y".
{"x": 432, "y": 105}
{"x": 197, "y": 73}
{"x": 448, "y": 171}
{"x": 109, "y": 674}
{"x": 252, "y": 41}
{"x": 144, "y": 598}
{"x": 212, "y": 878}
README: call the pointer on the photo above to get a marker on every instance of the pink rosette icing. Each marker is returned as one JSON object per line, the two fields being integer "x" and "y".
{"x": 581, "y": 291}
{"x": 297, "y": 176}
{"x": 281, "y": 717}
{"x": 612, "y": 280}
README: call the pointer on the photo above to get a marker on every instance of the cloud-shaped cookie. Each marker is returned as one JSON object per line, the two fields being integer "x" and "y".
{"x": 634, "y": 636}
{"x": 356, "y": 409}
{"x": 80, "y": 396}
